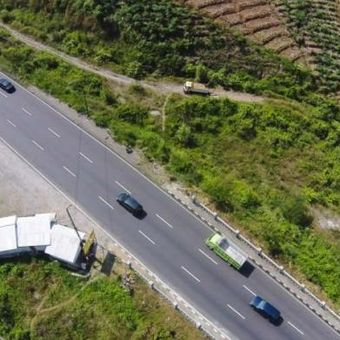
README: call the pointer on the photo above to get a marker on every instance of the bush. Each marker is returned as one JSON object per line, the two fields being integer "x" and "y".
{"x": 131, "y": 113}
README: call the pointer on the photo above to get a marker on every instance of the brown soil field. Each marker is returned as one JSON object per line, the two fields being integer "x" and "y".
{"x": 258, "y": 19}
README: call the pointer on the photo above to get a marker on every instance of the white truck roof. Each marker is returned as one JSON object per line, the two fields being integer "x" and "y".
{"x": 232, "y": 250}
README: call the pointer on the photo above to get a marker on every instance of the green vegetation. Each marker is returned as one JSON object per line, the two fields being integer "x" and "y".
{"x": 316, "y": 21}
{"x": 39, "y": 300}
{"x": 265, "y": 166}
{"x": 157, "y": 38}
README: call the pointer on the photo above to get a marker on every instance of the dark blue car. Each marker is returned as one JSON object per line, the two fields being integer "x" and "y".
{"x": 130, "y": 204}
{"x": 265, "y": 309}
{"x": 7, "y": 85}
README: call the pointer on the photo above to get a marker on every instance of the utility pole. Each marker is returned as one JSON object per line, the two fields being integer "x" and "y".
{"x": 75, "y": 228}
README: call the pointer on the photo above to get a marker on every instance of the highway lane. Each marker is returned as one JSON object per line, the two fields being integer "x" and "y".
{"x": 169, "y": 240}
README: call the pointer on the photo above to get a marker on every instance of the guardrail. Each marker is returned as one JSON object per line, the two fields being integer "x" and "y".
{"x": 279, "y": 268}
{"x": 189, "y": 312}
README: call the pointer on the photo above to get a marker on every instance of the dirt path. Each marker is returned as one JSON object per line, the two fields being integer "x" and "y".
{"x": 160, "y": 86}
{"x": 42, "y": 311}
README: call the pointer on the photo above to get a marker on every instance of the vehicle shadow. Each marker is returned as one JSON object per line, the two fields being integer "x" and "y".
{"x": 277, "y": 322}
{"x": 247, "y": 269}
{"x": 141, "y": 215}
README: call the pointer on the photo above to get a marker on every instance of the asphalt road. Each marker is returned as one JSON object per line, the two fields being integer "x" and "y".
{"x": 169, "y": 240}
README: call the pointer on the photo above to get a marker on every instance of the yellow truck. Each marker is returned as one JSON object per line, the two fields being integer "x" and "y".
{"x": 190, "y": 87}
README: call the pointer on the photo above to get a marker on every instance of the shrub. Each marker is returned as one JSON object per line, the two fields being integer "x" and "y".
{"x": 131, "y": 113}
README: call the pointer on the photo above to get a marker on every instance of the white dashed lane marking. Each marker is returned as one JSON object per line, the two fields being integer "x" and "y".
{"x": 236, "y": 312}
{"x": 27, "y": 112}
{"x": 122, "y": 186}
{"x": 38, "y": 145}
{"x": 163, "y": 220}
{"x": 147, "y": 237}
{"x": 290, "y": 324}
{"x": 207, "y": 256}
{"x": 11, "y": 123}
{"x": 105, "y": 202}
{"x": 191, "y": 274}
{"x": 4, "y": 95}
{"x": 84, "y": 156}
{"x": 249, "y": 290}
{"x": 69, "y": 171}
{"x": 54, "y": 133}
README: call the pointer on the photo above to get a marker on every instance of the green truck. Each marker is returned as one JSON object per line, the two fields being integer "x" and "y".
{"x": 227, "y": 250}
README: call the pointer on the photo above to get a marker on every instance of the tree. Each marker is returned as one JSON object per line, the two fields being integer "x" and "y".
{"x": 184, "y": 136}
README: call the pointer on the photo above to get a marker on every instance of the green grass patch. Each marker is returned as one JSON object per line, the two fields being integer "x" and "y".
{"x": 39, "y": 299}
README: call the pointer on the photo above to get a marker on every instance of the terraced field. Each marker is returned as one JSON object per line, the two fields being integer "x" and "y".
{"x": 257, "y": 19}
{"x": 316, "y": 27}
{"x": 306, "y": 31}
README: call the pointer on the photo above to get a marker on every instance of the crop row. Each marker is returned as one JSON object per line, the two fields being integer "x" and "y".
{"x": 316, "y": 27}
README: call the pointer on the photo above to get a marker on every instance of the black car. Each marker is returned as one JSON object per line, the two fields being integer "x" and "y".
{"x": 7, "y": 85}
{"x": 266, "y": 309}
{"x": 130, "y": 204}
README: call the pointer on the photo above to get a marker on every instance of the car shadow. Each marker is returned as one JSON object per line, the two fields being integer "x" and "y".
{"x": 247, "y": 269}
{"x": 141, "y": 215}
{"x": 277, "y": 322}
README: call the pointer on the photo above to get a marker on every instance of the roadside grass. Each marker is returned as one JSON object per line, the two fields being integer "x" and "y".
{"x": 263, "y": 165}
{"x": 63, "y": 306}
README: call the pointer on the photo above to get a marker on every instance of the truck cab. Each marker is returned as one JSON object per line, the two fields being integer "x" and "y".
{"x": 190, "y": 87}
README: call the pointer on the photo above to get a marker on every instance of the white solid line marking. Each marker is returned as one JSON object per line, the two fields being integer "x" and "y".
{"x": 295, "y": 328}
{"x": 207, "y": 256}
{"x": 53, "y": 132}
{"x": 88, "y": 159}
{"x": 235, "y": 311}
{"x": 27, "y": 112}
{"x": 122, "y": 186}
{"x": 249, "y": 290}
{"x": 105, "y": 202}
{"x": 11, "y": 123}
{"x": 69, "y": 171}
{"x": 38, "y": 145}
{"x": 4, "y": 95}
{"x": 167, "y": 223}
{"x": 192, "y": 275}
{"x": 147, "y": 237}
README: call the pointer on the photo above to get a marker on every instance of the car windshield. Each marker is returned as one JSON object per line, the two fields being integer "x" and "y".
{"x": 223, "y": 244}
